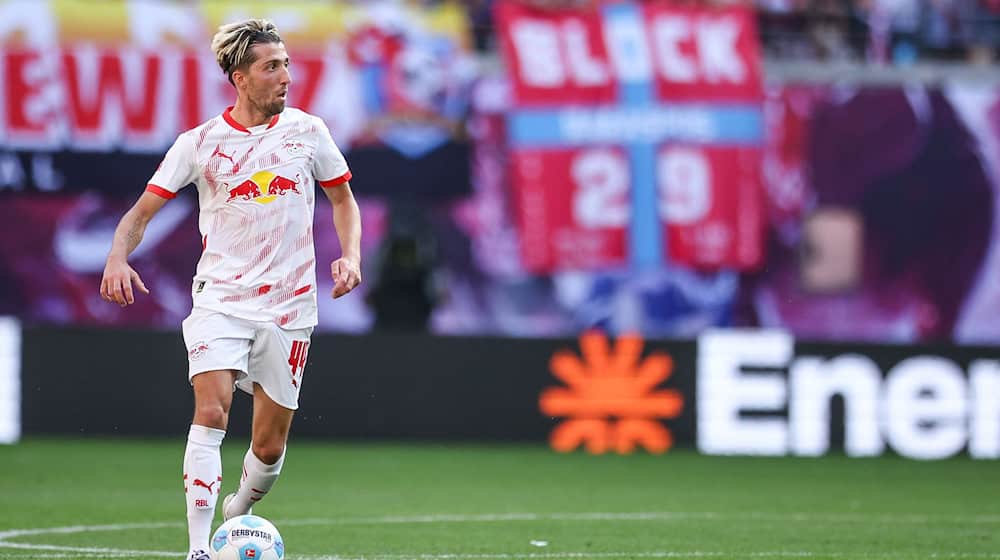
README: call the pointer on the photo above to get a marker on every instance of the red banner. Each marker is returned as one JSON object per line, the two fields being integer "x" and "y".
{"x": 635, "y": 134}
{"x": 555, "y": 57}
{"x": 710, "y": 203}
{"x": 704, "y": 55}
{"x": 581, "y": 56}
{"x": 576, "y": 223}
{"x": 123, "y": 97}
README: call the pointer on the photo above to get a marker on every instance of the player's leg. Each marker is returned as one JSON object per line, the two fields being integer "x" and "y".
{"x": 263, "y": 461}
{"x": 213, "y": 397}
{"x": 277, "y": 361}
{"x": 218, "y": 353}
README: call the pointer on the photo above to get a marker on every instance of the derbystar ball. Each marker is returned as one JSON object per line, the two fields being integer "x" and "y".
{"x": 247, "y": 537}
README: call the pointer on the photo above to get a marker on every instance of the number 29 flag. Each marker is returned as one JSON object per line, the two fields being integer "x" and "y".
{"x": 635, "y": 135}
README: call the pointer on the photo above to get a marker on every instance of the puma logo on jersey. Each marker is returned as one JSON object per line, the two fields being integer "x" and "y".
{"x": 221, "y": 154}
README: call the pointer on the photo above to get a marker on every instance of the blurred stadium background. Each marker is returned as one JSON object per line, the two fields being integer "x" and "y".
{"x": 626, "y": 240}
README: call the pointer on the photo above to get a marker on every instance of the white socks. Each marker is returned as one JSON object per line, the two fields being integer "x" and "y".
{"x": 202, "y": 481}
{"x": 257, "y": 481}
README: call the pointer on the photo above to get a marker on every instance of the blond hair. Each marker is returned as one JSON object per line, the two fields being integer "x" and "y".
{"x": 233, "y": 43}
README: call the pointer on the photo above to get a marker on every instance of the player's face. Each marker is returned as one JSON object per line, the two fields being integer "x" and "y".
{"x": 269, "y": 78}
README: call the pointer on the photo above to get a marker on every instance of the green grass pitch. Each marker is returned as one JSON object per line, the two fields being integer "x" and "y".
{"x": 103, "y": 498}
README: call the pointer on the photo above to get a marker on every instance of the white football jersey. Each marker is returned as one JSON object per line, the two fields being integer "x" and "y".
{"x": 256, "y": 194}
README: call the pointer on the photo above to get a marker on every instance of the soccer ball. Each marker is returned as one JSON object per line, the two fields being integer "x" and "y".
{"x": 247, "y": 537}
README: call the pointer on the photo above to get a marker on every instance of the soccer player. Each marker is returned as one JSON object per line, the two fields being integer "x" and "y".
{"x": 254, "y": 291}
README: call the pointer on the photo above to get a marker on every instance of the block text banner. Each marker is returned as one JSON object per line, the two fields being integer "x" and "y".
{"x": 635, "y": 136}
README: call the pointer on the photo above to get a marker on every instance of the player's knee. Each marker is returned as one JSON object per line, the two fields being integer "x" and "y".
{"x": 211, "y": 415}
{"x": 268, "y": 453}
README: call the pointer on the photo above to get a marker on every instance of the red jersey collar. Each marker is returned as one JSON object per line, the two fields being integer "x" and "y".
{"x": 232, "y": 122}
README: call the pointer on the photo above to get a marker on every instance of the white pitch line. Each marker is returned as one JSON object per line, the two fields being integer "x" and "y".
{"x": 90, "y": 550}
{"x": 546, "y": 556}
{"x": 648, "y": 554}
{"x": 83, "y": 529}
{"x": 74, "y": 556}
{"x": 553, "y": 555}
{"x": 447, "y": 556}
{"x": 96, "y": 551}
{"x": 511, "y": 556}
{"x": 55, "y": 551}
{"x": 649, "y": 516}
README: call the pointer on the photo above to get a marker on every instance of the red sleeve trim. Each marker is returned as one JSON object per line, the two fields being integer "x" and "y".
{"x": 160, "y": 191}
{"x": 336, "y": 181}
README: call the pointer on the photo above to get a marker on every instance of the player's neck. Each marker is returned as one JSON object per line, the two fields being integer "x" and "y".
{"x": 247, "y": 115}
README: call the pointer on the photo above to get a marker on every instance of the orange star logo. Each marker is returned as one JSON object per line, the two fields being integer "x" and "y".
{"x": 611, "y": 402}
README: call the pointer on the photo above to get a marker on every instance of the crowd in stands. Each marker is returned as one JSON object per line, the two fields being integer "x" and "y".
{"x": 876, "y": 31}
{"x": 881, "y": 31}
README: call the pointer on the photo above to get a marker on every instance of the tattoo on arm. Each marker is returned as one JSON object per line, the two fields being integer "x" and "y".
{"x": 128, "y": 235}
{"x": 133, "y": 237}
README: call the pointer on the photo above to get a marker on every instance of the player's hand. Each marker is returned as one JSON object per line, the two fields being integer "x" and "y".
{"x": 116, "y": 285}
{"x": 346, "y": 276}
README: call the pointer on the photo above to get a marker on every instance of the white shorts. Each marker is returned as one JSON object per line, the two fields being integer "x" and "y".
{"x": 261, "y": 351}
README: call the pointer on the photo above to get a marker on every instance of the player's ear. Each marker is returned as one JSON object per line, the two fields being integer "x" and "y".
{"x": 239, "y": 79}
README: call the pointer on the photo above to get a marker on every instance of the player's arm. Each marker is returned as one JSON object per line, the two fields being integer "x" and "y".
{"x": 116, "y": 286}
{"x": 331, "y": 172}
{"x": 346, "y": 270}
{"x": 176, "y": 170}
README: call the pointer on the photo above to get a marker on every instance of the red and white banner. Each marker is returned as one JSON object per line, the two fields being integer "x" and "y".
{"x": 574, "y": 207}
{"x": 628, "y": 113}
{"x": 100, "y": 99}
{"x": 582, "y": 56}
{"x": 107, "y": 76}
{"x": 711, "y": 205}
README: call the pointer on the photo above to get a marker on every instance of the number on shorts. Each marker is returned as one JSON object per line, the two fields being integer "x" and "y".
{"x": 297, "y": 359}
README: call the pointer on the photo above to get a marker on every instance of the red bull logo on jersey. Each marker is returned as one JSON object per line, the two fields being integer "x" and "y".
{"x": 294, "y": 147}
{"x": 197, "y": 350}
{"x": 263, "y": 187}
